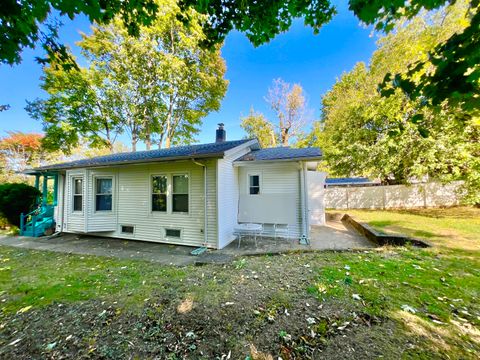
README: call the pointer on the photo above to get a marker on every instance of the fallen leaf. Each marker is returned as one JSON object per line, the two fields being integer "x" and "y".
{"x": 409, "y": 309}
{"x": 24, "y": 309}
{"x": 14, "y": 342}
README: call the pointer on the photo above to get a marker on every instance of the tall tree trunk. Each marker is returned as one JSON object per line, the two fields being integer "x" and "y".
{"x": 148, "y": 139}
{"x": 109, "y": 145}
{"x": 285, "y": 136}
{"x": 274, "y": 140}
{"x": 169, "y": 124}
{"x": 148, "y": 142}
{"x": 160, "y": 140}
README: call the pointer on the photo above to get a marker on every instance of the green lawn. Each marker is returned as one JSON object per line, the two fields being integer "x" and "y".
{"x": 391, "y": 302}
{"x": 456, "y": 228}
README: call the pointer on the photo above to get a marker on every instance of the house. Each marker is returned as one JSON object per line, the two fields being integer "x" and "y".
{"x": 349, "y": 182}
{"x": 189, "y": 195}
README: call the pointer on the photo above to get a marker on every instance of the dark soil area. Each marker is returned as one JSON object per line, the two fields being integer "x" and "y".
{"x": 96, "y": 330}
{"x": 240, "y": 310}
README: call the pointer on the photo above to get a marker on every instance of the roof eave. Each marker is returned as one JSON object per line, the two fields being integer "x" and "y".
{"x": 120, "y": 163}
{"x": 246, "y": 162}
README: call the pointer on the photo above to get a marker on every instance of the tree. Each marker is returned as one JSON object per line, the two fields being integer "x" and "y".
{"x": 20, "y": 21}
{"x": 16, "y": 198}
{"x": 20, "y": 150}
{"x": 157, "y": 86}
{"x": 288, "y": 103}
{"x": 397, "y": 138}
{"x": 451, "y": 72}
{"x": 261, "y": 21}
{"x": 257, "y": 126}
{"x": 455, "y": 76}
{"x": 79, "y": 106}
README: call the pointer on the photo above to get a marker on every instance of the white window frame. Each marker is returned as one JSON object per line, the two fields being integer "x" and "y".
{"x": 260, "y": 185}
{"x": 82, "y": 194}
{"x": 171, "y": 193}
{"x": 151, "y": 193}
{"x": 100, "y": 177}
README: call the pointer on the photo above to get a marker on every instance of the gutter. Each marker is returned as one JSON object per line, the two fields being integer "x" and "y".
{"x": 116, "y": 163}
{"x": 246, "y": 162}
{"x": 205, "y": 193}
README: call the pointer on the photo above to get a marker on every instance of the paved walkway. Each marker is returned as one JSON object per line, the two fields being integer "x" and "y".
{"x": 334, "y": 236}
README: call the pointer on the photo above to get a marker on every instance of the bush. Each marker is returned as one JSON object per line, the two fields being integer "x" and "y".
{"x": 16, "y": 198}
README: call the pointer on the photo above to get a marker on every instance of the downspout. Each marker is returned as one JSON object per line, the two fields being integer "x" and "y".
{"x": 305, "y": 194}
{"x": 64, "y": 181}
{"x": 205, "y": 193}
{"x": 303, "y": 198}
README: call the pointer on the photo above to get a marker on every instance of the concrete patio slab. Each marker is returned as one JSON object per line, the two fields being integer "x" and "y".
{"x": 102, "y": 246}
{"x": 334, "y": 236}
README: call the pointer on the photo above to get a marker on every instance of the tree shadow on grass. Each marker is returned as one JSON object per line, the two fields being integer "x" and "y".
{"x": 456, "y": 212}
{"x": 381, "y": 223}
{"x": 390, "y": 226}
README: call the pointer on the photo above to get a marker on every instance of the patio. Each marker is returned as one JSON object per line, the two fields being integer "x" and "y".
{"x": 334, "y": 236}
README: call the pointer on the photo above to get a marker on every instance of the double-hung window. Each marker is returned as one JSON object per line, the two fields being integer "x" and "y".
{"x": 77, "y": 194}
{"x": 180, "y": 193}
{"x": 103, "y": 194}
{"x": 254, "y": 184}
{"x": 159, "y": 193}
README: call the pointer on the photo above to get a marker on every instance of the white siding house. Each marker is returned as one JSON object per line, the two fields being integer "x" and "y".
{"x": 191, "y": 195}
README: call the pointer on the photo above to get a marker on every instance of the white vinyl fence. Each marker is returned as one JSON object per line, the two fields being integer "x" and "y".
{"x": 393, "y": 196}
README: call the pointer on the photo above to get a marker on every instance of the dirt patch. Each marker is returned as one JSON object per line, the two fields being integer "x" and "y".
{"x": 261, "y": 305}
{"x": 243, "y": 304}
{"x": 95, "y": 330}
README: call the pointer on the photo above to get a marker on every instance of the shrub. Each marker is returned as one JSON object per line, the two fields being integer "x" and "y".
{"x": 16, "y": 198}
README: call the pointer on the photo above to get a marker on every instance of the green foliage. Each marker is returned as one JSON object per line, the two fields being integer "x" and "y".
{"x": 397, "y": 138}
{"x": 156, "y": 87}
{"x": 451, "y": 72}
{"x": 21, "y": 21}
{"x": 16, "y": 198}
{"x": 261, "y": 21}
{"x": 257, "y": 126}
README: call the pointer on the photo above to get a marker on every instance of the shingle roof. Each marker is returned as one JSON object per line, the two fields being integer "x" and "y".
{"x": 282, "y": 153}
{"x": 211, "y": 150}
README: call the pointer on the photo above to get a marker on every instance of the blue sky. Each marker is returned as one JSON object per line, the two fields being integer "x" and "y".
{"x": 298, "y": 56}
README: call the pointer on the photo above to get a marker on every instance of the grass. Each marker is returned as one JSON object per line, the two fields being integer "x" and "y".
{"x": 456, "y": 228}
{"x": 439, "y": 286}
{"x": 420, "y": 303}
{"x": 38, "y": 278}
